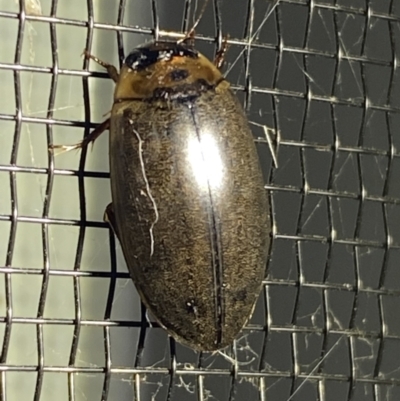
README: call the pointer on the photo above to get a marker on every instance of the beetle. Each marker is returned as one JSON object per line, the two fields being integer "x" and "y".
{"x": 188, "y": 201}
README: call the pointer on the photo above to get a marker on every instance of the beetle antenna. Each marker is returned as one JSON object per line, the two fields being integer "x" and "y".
{"x": 191, "y": 32}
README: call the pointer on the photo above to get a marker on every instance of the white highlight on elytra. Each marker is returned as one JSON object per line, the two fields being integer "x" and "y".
{"x": 205, "y": 160}
{"x": 140, "y": 151}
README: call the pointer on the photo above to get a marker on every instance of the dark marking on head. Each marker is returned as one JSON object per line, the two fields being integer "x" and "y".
{"x": 179, "y": 74}
{"x": 144, "y": 56}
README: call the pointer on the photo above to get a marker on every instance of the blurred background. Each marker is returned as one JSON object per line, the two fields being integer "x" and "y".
{"x": 324, "y": 76}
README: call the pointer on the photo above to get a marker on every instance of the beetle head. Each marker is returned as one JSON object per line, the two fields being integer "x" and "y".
{"x": 164, "y": 67}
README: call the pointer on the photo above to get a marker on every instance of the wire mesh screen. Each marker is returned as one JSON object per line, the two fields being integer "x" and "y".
{"x": 323, "y": 75}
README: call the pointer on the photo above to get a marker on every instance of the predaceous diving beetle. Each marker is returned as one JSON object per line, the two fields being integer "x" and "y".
{"x": 188, "y": 201}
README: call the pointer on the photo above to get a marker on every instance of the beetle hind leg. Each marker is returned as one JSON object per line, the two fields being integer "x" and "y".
{"x": 109, "y": 217}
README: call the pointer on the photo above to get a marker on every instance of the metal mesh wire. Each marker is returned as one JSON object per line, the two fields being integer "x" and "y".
{"x": 324, "y": 75}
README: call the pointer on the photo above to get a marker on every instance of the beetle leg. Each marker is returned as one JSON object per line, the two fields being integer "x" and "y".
{"x": 112, "y": 71}
{"x": 191, "y": 33}
{"x": 220, "y": 55}
{"x": 189, "y": 38}
{"x": 109, "y": 217}
{"x": 104, "y": 126}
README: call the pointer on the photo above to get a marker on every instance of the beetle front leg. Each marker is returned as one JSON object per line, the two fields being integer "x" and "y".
{"x": 220, "y": 55}
{"x": 112, "y": 71}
